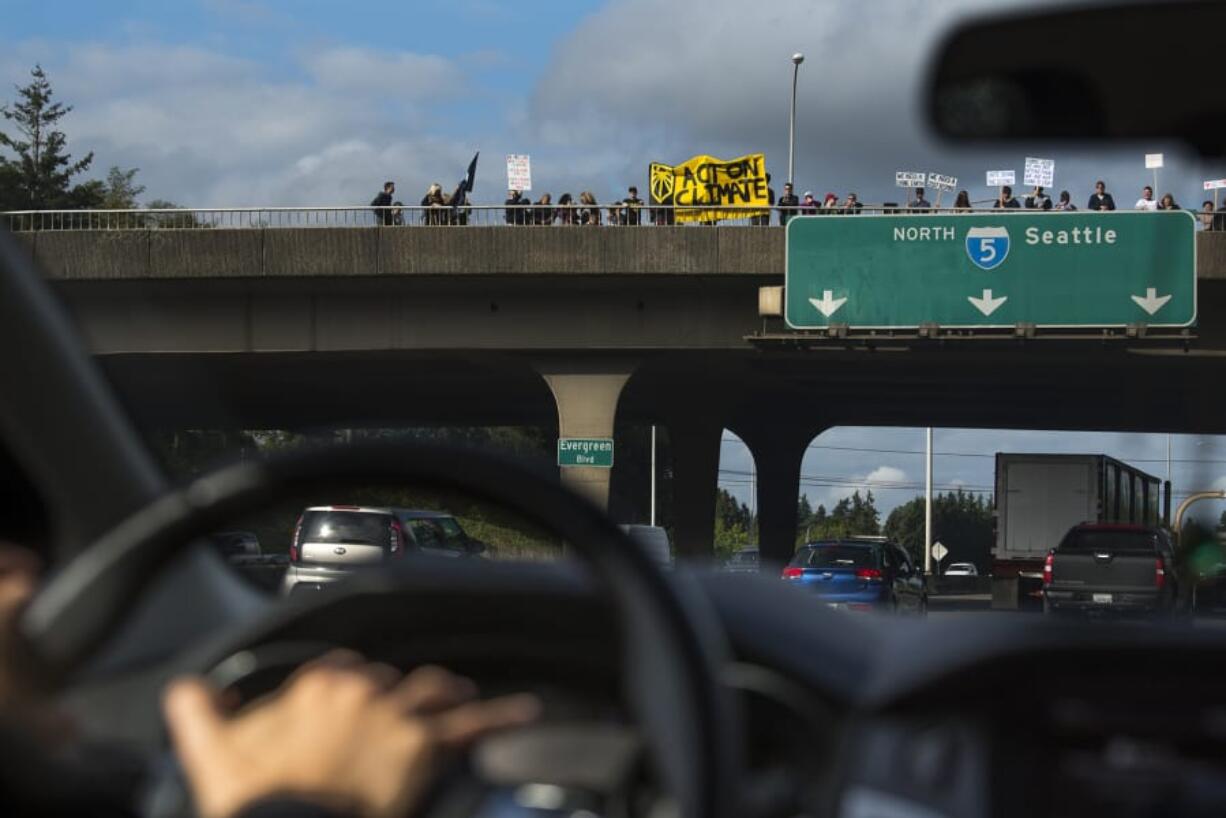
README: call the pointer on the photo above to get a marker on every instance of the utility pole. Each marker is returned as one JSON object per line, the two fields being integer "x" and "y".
{"x": 797, "y": 59}
{"x": 653, "y": 474}
{"x": 928, "y": 503}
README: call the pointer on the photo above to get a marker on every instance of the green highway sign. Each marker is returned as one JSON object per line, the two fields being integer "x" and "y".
{"x": 985, "y": 270}
{"x": 592, "y": 452}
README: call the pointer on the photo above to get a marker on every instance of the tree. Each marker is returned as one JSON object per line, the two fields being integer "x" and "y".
{"x": 42, "y": 170}
{"x": 962, "y": 522}
{"x": 120, "y": 189}
{"x": 851, "y": 516}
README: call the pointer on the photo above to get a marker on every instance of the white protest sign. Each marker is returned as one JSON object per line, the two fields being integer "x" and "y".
{"x": 519, "y": 172}
{"x": 938, "y": 182}
{"x": 904, "y": 178}
{"x": 1153, "y": 161}
{"x": 1001, "y": 178}
{"x": 1215, "y": 184}
{"x": 1039, "y": 172}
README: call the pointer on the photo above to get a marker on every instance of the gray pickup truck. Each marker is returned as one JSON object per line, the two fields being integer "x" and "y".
{"x": 1103, "y": 568}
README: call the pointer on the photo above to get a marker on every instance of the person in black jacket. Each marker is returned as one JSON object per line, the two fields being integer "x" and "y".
{"x": 1101, "y": 199}
{"x": 382, "y": 202}
{"x": 1038, "y": 200}
{"x": 516, "y": 213}
{"x": 789, "y": 204}
{"x": 1007, "y": 199}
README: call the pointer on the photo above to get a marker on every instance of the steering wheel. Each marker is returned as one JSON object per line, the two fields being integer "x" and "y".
{"x": 672, "y": 644}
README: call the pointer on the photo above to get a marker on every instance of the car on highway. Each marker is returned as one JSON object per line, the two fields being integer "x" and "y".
{"x": 330, "y": 542}
{"x": 859, "y": 575}
{"x": 1113, "y": 568}
{"x": 743, "y": 561}
{"x": 962, "y": 569}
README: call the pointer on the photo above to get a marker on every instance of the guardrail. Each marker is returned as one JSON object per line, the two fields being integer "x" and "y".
{"x": 534, "y": 215}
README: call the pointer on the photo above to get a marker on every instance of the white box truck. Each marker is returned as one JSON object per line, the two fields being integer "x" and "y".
{"x": 1039, "y": 497}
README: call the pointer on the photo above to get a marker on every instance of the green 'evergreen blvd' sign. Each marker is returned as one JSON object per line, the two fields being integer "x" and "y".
{"x": 583, "y": 451}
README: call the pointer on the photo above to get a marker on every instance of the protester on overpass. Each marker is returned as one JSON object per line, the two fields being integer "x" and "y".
{"x": 963, "y": 202}
{"x": 919, "y": 203}
{"x": 1007, "y": 199}
{"x": 1167, "y": 202}
{"x": 565, "y": 211}
{"x": 1101, "y": 199}
{"x": 1146, "y": 202}
{"x": 789, "y": 204}
{"x": 852, "y": 206}
{"x": 542, "y": 214}
{"x": 1065, "y": 202}
{"x": 1205, "y": 220}
{"x": 809, "y": 205}
{"x": 432, "y": 205}
{"x": 589, "y": 213}
{"x": 830, "y": 203}
{"x": 382, "y": 202}
{"x": 765, "y": 219}
{"x": 1038, "y": 200}
{"x": 633, "y": 213}
{"x": 516, "y": 212}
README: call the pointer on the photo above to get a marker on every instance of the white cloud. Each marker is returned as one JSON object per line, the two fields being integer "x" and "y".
{"x": 403, "y": 74}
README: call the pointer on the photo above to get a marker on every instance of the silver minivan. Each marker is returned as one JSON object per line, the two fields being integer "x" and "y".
{"x": 330, "y": 542}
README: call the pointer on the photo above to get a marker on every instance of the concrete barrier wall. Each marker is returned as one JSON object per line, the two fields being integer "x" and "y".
{"x": 373, "y": 251}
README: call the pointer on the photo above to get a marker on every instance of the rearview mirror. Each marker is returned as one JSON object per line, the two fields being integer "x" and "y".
{"x": 1115, "y": 71}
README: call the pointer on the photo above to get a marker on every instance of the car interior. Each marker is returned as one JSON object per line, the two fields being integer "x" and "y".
{"x": 681, "y": 692}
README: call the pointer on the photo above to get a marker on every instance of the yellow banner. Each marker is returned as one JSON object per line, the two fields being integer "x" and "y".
{"x": 704, "y": 188}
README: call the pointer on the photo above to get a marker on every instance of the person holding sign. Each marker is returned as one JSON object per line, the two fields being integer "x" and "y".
{"x": 919, "y": 203}
{"x": 1007, "y": 200}
{"x": 1038, "y": 200}
{"x": 1146, "y": 202}
{"x": 1101, "y": 200}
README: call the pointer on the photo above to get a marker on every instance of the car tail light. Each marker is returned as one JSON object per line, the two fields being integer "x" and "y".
{"x": 396, "y": 536}
{"x": 293, "y": 543}
{"x": 871, "y": 574}
{"x": 1047, "y": 563}
{"x": 859, "y": 606}
{"x": 792, "y": 572}
{"x": 1159, "y": 575}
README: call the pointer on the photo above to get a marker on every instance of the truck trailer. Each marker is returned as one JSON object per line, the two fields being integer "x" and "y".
{"x": 1039, "y": 497}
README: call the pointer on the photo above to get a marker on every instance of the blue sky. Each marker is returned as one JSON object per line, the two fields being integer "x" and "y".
{"x": 272, "y": 102}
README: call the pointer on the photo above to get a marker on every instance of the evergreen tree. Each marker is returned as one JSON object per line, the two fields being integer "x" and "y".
{"x": 41, "y": 170}
{"x": 120, "y": 189}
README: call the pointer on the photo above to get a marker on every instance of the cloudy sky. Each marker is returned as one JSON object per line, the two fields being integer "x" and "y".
{"x": 288, "y": 102}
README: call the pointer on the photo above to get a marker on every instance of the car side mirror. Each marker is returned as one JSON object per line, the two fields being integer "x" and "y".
{"x": 476, "y": 547}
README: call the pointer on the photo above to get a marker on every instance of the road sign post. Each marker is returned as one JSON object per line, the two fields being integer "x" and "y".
{"x": 585, "y": 452}
{"x": 997, "y": 270}
{"x": 939, "y": 552}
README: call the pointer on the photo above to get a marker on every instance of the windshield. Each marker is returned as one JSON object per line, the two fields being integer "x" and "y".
{"x": 836, "y": 556}
{"x": 707, "y": 267}
{"x": 1109, "y": 541}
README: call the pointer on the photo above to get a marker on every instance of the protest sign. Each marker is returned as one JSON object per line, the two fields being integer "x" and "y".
{"x": 702, "y": 188}
{"x": 1153, "y": 161}
{"x": 938, "y": 182}
{"x": 1039, "y": 172}
{"x": 1000, "y": 178}
{"x": 904, "y": 178}
{"x": 519, "y": 172}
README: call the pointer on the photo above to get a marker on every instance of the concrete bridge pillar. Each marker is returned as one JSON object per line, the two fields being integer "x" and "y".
{"x": 586, "y": 395}
{"x": 778, "y": 452}
{"x": 694, "y": 440}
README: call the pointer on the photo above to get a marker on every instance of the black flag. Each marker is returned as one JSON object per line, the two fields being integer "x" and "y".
{"x": 466, "y": 184}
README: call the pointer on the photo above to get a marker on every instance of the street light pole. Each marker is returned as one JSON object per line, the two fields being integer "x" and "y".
{"x": 797, "y": 59}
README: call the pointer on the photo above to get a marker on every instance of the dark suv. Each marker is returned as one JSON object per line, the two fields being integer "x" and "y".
{"x": 859, "y": 575}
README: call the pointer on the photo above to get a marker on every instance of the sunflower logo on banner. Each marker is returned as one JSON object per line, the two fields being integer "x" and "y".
{"x": 706, "y": 189}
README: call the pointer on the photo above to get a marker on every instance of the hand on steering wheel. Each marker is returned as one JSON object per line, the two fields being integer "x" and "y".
{"x": 354, "y": 736}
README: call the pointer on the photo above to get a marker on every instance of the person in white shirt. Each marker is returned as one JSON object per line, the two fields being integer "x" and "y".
{"x": 1146, "y": 202}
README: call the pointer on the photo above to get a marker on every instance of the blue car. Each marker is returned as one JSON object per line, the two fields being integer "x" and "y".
{"x": 859, "y": 575}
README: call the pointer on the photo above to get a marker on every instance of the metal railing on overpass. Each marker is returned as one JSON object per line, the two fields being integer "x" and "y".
{"x": 535, "y": 215}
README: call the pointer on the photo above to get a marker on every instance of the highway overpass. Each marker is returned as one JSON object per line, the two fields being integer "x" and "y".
{"x": 580, "y": 327}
